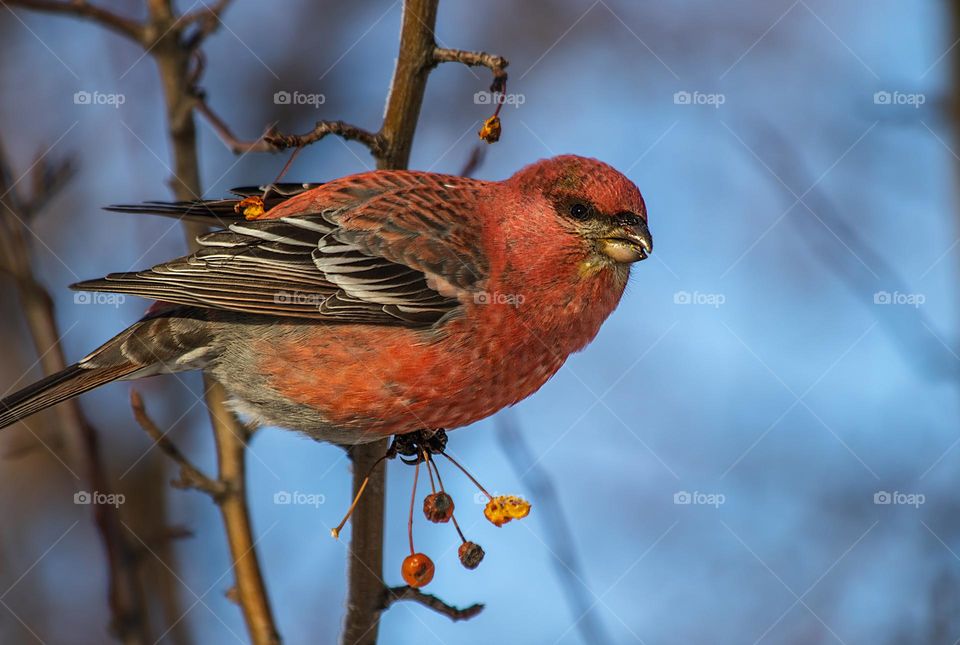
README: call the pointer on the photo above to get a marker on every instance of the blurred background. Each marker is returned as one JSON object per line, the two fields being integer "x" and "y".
{"x": 760, "y": 446}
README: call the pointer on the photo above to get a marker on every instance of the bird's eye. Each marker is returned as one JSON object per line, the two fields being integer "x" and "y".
{"x": 579, "y": 210}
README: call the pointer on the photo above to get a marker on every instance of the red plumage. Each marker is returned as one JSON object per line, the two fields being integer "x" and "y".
{"x": 389, "y": 301}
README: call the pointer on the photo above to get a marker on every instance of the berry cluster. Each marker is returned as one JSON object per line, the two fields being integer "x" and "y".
{"x": 419, "y": 448}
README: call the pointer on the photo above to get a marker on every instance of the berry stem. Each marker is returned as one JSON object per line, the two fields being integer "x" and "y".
{"x": 457, "y": 526}
{"x": 431, "y": 462}
{"x": 426, "y": 458}
{"x": 413, "y": 499}
{"x": 465, "y": 472}
{"x": 436, "y": 468}
{"x": 335, "y": 532}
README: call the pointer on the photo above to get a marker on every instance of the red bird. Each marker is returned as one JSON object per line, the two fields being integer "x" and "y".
{"x": 380, "y": 303}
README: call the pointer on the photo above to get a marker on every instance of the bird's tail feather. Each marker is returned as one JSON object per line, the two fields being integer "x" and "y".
{"x": 216, "y": 212}
{"x": 58, "y": 387}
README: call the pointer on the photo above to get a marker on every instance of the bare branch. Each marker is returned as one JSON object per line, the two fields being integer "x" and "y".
{"x": 251, "y": 592}
{"x": 365, "y": 562}
{"x": 396, "y": 594}
{"x": 346, "y": 131}
{"x": 83, "y": 9}
{"x": 496, "y": 64}
{"x": 274, "y": 141}
{"x": 207, "y": 21}
{"x": 236, "y": 145}
{"x": 190, "y": 475}
{"x": 414, "y": 62}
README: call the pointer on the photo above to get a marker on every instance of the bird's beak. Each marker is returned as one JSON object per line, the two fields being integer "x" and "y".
{"x": 627, "y": 244}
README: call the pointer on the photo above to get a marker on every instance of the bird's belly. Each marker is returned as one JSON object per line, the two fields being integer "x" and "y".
{"x": 368, "y": 382}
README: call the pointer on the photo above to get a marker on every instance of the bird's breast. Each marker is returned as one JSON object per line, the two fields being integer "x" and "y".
{"x": 502, "y": 347}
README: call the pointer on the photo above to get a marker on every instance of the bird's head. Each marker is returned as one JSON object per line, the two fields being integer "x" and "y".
{"x": 594, "y": 203}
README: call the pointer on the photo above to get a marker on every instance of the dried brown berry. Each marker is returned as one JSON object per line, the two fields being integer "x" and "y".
{"x": 471, "y": 554}
{"x": 438, "y": 507}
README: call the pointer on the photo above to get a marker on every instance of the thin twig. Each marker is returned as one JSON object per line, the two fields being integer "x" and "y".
{"x": 80, "y": 8}
{"x": 190, "y": 475}
{"x": 251, "y": 592}
{"x": 236, "y": 145}
{"x": 406, "y": 592}
{"x": 323, "y": 128}
{"x": 273, "y": 140}
{"x": 496, "y": 64}
{"x": 207, "y": 21}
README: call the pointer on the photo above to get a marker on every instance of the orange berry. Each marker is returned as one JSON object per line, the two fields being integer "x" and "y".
{"x": 470, "y": 554}
{"x": 503, "y": 508}
{"x": 251, "y": 207}
{"x": 490, "y": 132}
{"x": 438, "y": 507}
{"x": 417, "y": 570}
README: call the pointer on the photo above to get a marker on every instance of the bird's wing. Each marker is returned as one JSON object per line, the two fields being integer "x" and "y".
{"x": 350, "y": 251}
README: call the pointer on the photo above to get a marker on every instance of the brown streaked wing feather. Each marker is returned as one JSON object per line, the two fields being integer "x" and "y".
{"x": 371, "y": 269}
{"x": 432, "y": 230}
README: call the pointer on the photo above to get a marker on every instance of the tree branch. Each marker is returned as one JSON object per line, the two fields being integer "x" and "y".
{"x": 251, "y": 592}
{"x": 83, "y": 9}
{"x": 207, "y": 21}
{"x": 414, "y": 62}
{"x": 173, "y": 61}
{"x": 190, "y": 475}
{"x": 406, "y": 592}
{"x": 496, "y": 64}
{"x": 279, "y": 141}
{"x": 233, "y": 143}
{"x": 365, "y": 562}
